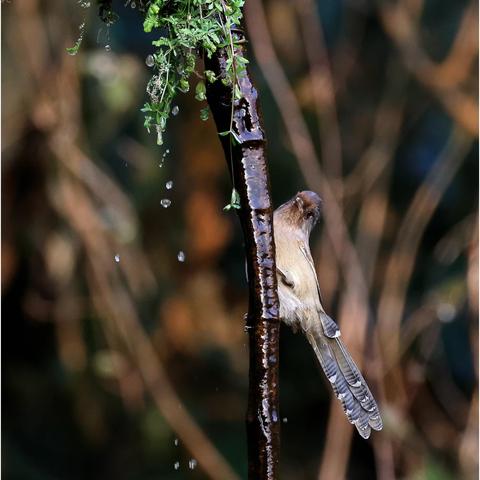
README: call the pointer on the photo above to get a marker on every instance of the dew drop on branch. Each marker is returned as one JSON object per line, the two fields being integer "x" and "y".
{"x": 175, "y": 110}
{"x": 117, "y": 258}
{"x": 181, "y": 256}
{"x": 192, "y": 463}
{"x": 169, "y": 185}
{"x": 150, "y": 61}
{"x": 165, "y": 202}
{"x": 175, "y": 442}
{"x": 108, "y": 48}
{"x": 176, "y": 465}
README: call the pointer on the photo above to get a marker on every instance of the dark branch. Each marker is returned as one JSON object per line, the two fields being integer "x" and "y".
{"x": 247, "y": 161}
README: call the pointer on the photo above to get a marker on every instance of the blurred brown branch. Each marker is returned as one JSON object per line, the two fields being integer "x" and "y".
{"x": 77, "y": 189}
{"x": 321, "y": 84}
{"x": 444, "y": 79}
{"x": 368, "y": 188}
{"x": 404, "y": 252}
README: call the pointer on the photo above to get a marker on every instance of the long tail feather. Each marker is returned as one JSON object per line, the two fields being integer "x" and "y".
{"x": 347, "y": 382}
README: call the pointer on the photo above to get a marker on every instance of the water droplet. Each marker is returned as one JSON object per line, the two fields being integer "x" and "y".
{"x": 272, "y": 359}
{"x": 175, "y": 442}
{"x": 285, "y": 420}
{"x": 181, "y": 256}
{"x": 150, "y": 61}
{"x": 176, "y": 465}
{"x": 108, "y": 48}
{"x": 446, "y": 312}
{"x": 274, "y": 416}
{"x": 159, "y": 135}
{"x": 169, "y": 185}
{"x": 192, "y": 463}
{"x": 175, "y": 110}
{"x": 133, "y": 5}
{"x": 165, "y": 202}
{"x": 117, "y": 258}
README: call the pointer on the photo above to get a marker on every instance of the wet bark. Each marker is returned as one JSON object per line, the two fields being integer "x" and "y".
{"x": 246, "y": 159}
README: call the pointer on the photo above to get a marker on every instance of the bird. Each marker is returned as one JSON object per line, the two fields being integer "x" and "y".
{"x": 301, "y": 308}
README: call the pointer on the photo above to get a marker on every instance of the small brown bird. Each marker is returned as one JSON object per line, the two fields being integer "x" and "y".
{"x": 301, "y": 307}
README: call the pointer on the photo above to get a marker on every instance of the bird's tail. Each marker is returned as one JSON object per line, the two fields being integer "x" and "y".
{"x": 347, "y": 382}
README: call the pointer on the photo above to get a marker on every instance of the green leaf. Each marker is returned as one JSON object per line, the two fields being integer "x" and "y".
{"x": 210, "y": 76}
{"x": 73, "y": 50}
{"x": 234, "y": 138}
{"x": 200, "y": 91}
{"x": 183, "y": 85}
{"x": 234, "y": 201}
{"x": 185, "y": 28}
{"x": 204, "y": 114}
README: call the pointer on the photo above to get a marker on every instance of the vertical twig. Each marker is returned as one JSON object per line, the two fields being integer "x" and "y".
{"x": 245, "y": 154}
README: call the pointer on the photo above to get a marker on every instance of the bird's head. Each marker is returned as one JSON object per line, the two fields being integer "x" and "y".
{"x": 302, "y": 211}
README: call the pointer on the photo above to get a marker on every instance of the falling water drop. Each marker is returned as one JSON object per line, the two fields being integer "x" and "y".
{"x": 165, "y": 202}
{"x": 192, "y": 463}
{"x": 117, "y": 258}
{"x": 181, "y": 256}
{"x": 159, "y": 135}
{"x": 169, "y": 185}
{"x": 150, "y": 61}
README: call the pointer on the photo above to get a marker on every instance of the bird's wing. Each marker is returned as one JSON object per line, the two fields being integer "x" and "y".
{"x": 308, "y": 257}
{"x": 285, "y": 278}
{"x": 330, "y": 328}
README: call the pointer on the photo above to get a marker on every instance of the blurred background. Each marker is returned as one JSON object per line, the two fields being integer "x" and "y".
{"x": 124, "y": 351}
